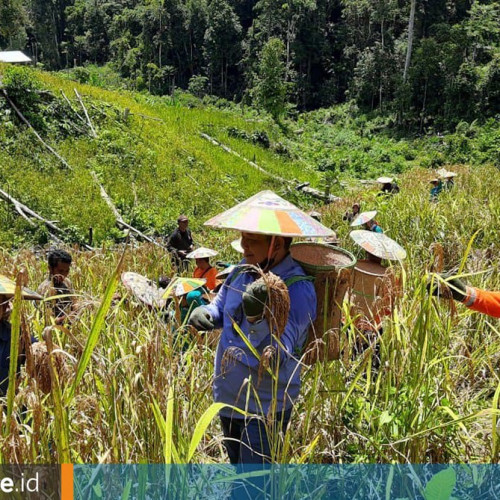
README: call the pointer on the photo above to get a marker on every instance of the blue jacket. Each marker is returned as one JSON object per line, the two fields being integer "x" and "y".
{"x": 5, "y": 333}
{"x": 229, "y": 384}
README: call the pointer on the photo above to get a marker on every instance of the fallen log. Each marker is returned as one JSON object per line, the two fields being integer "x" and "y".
{"x": 26, "y": 122}
{"x": 27, "y": 212}
{"x": 121, "y": 224}
{"x": 89, "y": 123}
{"x": 303, "y": 186}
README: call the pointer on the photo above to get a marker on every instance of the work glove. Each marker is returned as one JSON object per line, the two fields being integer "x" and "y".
{"x": 201, "y": 319}
{"x": 457, "y": 287}
{"x": 254, "y": 301}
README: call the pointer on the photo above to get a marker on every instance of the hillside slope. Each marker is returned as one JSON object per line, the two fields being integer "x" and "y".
{"x": 150, "y": 159}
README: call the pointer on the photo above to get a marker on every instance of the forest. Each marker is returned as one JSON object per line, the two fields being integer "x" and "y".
{"x": 426, "y": 64}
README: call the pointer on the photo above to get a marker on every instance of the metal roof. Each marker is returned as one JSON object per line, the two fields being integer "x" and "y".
{"x": 13, "y": 56}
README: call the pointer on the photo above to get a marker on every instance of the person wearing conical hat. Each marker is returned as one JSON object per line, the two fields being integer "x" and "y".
{"x": 367, "y": 221}
{"x": 389, "y": 186}
{"x": 203, "y": 268}
{"x": 374, "y": 286}
{"x": 7, "y": 289}
{"x": 448, "y": 180}
{"x": 437, "y": 187}
{"x": 58, "y": 284}
{"x": 267, "y": 224}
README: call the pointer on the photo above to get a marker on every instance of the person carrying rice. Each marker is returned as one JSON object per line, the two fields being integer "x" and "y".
{"x": 266, "y": 298}
{"x": 374, "y": 286}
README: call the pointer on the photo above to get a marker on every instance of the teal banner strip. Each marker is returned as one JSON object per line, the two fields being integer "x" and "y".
{"x": 349, "y": 482}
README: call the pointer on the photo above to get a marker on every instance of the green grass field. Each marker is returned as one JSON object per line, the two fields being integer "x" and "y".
{"x": 135, "y": 396}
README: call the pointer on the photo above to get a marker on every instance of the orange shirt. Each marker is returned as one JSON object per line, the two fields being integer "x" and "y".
{"x": 209, "y": 274}
{"x": 483, "y": 301}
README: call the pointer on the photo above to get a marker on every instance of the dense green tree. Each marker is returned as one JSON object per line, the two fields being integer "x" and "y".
{"x": 12, "y": 24}
{"x": 222, "y": 46}
{"x": 270, "y": 90}
{"x": 433, "y": 63}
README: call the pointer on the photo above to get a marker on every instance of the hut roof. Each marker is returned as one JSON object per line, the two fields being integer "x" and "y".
{"x": 14, "y": 56}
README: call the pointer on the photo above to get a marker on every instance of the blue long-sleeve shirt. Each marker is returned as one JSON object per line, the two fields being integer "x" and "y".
{"x": 5, "y": 333}
{"x": 230, "y": 380}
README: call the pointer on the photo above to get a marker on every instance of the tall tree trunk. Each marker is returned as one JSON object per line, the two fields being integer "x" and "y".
{"x": 411, "y": 23}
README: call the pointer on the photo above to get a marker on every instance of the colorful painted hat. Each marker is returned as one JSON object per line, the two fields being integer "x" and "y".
{"x": 236, "y": 244}
{"x": 181, "y": 286}
{"x": 363, "y": 218}
{"x": 378, "y": 244}
{"x": 268, "y": 213}
{"x": 8, "y": 288}
{"x": 202, "y": 253}
{"x": 385, "y": 180}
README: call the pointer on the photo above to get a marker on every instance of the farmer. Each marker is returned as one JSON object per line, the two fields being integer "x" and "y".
{"x": 180, "y": 243}
{"x": 57, "y": 284}
{"x": 372, "y": 225}
{"x": 482, "y": 301}
{"x": 437, "y": 187}
{"x": 448, "y": 180}
{"x": 8, "y": 288}
{"x": 239, "y": 378}
{"x": 203, "y": 268}
{"x": 388, "y": 186}
{"x": 367, "y": 220}
{"x": 350, "y": 216}
{"x": 374, "y": 286}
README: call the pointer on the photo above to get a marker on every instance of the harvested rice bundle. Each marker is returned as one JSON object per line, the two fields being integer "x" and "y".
{"x": 278, "y": 302}
{"x": 37, "y": 366}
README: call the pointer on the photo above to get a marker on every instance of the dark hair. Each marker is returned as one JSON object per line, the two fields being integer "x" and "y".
{"x": 58, "y": 255}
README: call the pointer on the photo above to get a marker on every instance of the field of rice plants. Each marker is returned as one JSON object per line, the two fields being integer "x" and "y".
{"x": 138, "y": 392}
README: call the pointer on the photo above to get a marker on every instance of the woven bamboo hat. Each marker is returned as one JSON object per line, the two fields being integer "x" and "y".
{"x": 378, "y": 244}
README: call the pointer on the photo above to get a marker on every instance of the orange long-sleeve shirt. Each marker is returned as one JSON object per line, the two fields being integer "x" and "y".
{"x": 210, "y": 275}
{"x": 483, "y": 301}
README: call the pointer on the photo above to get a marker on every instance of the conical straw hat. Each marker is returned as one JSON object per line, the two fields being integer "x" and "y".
{"x": 8, "y": 288}
{"x": 202, "y": 253}
{"x": 181, "y": 286}
{"x": 268, "y": 213}
{"x": 236, "y": 244}
{"x": 363, "y": 218}
{"x": 385, "y": 180}
{"x": 378, "y": 244}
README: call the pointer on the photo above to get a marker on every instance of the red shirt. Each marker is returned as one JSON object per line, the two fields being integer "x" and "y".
{"x": 209, "y": 274}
